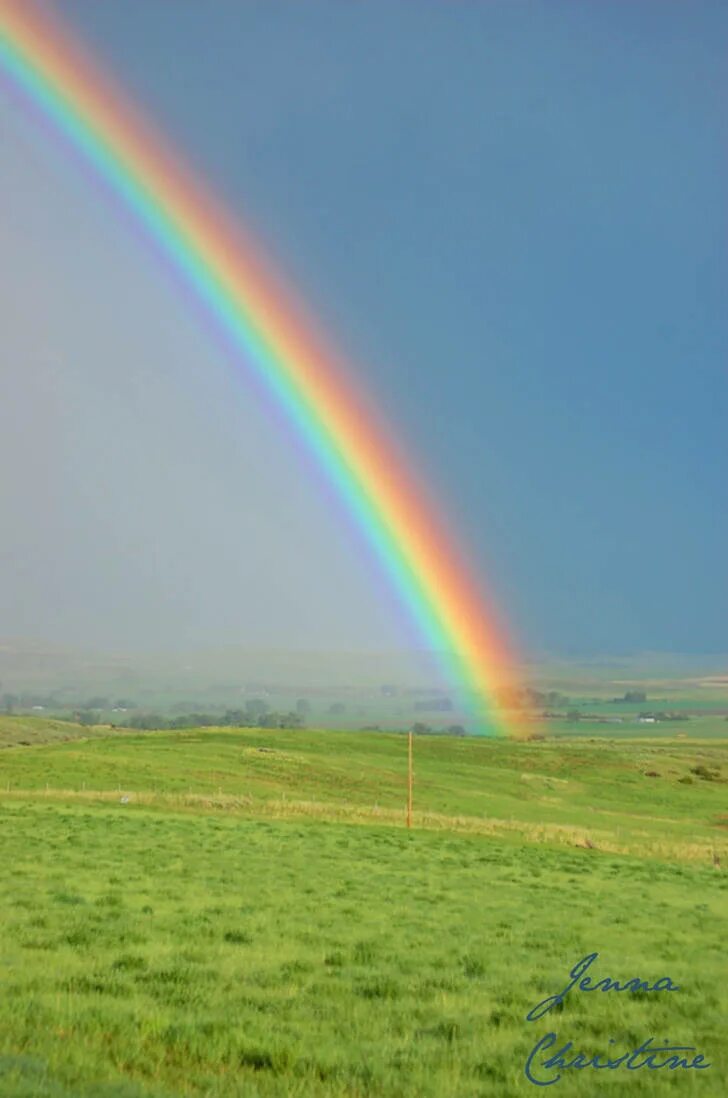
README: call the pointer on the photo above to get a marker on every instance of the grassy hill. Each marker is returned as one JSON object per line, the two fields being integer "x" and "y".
{"x": 228, "y": 912}
{"x": 25, "y": 731}
{"x": 632, "y": 795}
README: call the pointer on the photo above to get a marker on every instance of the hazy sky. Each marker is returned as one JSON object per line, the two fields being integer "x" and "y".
{"x": 512, "y": 220}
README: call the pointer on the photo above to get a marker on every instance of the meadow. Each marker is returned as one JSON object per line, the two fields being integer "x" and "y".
{"x": 240, "y": 912}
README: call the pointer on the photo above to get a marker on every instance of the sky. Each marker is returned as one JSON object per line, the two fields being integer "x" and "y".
{"x": 511, "y": 221}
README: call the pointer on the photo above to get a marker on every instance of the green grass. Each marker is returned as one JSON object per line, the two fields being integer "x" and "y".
{"x": 24, "y": 731}
{"x": 260, "y": 922}
{"x": 559, "y": 791}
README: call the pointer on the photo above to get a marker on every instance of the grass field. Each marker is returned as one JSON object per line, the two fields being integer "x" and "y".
{"x": 242, "y": 912}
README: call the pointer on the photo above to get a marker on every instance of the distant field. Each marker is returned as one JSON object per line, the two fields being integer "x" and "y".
{"x": 703, "y": 727}
{"x": 387, "y": 690}
{"x": 239, "y": 912}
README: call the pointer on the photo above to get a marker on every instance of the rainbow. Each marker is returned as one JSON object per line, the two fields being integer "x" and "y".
{"x": 230, "y": 278}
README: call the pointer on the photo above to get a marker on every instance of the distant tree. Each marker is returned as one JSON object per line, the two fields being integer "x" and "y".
{"x": 147, "y": 721}
{"x": 303, "y": 707}
{"x": 573, "y": 715}
{"x": 421, "y": 728}
{"x": 97, "y": 703}
{"x": 455, "y": 730}
{"x": 85, "y": 717}
{"x": 554, "y": 698}
{"x": 337, "y": 708}
{"x": 256, "y": 707}
{"x": 635, "y": 696}
{"x": 182, "y": 721}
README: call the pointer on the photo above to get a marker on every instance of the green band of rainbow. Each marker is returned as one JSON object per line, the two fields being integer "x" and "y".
{"x": 321, "y": 401}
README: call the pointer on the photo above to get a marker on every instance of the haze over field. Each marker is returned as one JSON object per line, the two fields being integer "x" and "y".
{"x": 396, "y": 689}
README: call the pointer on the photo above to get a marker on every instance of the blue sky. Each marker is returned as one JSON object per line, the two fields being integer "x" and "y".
{"x": 512, "y": 220}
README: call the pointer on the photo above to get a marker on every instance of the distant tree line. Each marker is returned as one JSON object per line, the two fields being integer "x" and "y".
{"x": 231, "y": 718}
{"x": 11, "y": 702}
{"x": 525, "y": 697}
{"x": 421, "y": 729}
